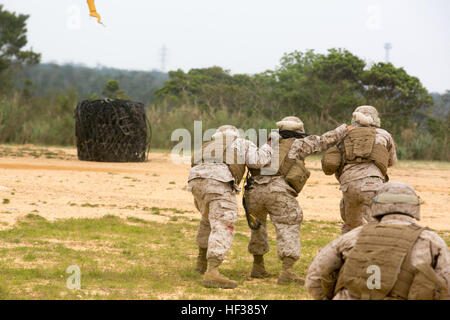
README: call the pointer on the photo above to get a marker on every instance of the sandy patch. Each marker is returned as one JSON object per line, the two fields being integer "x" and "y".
{"x": 68, "y": 188}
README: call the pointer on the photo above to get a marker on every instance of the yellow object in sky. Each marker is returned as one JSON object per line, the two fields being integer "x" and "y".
{"x": 93, "y": 11}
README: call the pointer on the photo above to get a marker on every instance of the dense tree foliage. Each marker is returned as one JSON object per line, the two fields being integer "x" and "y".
{"x": 13, "y": 39}
{"x": 327, "y": 87}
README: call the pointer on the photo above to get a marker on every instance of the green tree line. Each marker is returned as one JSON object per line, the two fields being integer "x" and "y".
{"x": 323, "y": 89}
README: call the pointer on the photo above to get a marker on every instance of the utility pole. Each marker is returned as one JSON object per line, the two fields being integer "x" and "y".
{"x": 387, "y": 47}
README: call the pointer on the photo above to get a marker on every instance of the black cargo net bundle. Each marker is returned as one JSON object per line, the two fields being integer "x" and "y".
{"x": 112, "y": 131}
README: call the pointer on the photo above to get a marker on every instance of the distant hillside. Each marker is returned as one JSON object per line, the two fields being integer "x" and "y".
{"x": 139, "y": 85}
{"x": 441, "y": 106}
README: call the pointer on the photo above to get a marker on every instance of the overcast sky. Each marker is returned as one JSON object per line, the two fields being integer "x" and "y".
{"x": 243, "y": 36}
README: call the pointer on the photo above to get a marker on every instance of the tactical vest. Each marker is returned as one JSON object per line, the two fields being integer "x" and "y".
{"x": 293, "y": 170}
{"x": 387, "y": 247}
{"x": 208, "y": 154}
{"x": 358, "y": 147}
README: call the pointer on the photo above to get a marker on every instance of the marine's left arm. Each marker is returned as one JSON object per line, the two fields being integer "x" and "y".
{"x": 255, "y": 157}
{"x": 323, "y": 272}
{"x": 301, "y": 148}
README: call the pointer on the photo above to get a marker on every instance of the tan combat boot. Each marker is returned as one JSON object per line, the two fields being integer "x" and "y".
{"x": 202, "y": 263}
{"x": 258, "y": 269}
{"x": 288, "y": 276}
{"x": 214, "y": 279}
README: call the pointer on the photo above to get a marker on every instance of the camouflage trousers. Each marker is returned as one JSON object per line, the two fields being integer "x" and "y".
{"x": 356, "y": 200}
{"x": 274, "y": 199}
{"x": 216, "y": 202}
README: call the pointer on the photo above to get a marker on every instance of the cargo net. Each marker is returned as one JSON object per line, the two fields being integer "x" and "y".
{"x": 112, "y": 131}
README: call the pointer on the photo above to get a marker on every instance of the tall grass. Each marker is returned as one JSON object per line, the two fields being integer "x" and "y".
{"x": 49, "y": 121}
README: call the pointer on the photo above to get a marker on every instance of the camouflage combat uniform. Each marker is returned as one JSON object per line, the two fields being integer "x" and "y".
{"x": 272, "y": 195}
{"x": 359, "y": 183}
{"x": 429, "y": 248}
{"x": 333, "y": 274}
{"x": 214, "y": 191}
{"x": 360, "y": 177}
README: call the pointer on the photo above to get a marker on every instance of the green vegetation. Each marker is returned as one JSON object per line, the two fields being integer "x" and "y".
{"x": 138, "y": 259}
{"x": 322, "y": 89}
{"x": 12, "y": 41}
{"x": 133, "y": 259}
{"x": 37, "y": 101}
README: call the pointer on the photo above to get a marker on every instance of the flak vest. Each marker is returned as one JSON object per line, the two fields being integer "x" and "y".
{"x": 225, "y": 155}
{"x": 293, "y": 170}
{"x": 358, "y": 147}
{"x": 384, "y": 246}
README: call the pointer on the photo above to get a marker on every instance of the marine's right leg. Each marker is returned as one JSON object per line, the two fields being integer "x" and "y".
{"x": 203, "y": 232}
{"x": 204, "y": 229}
{"x": 357, "y": 200}
{"x": 223, "y": 214}
{"x": 352, "y": 208}
{"x": 259, "y": 242}
{"x": 287, "y": 216}
{"x": 344, "y": 228}
{"x": 217, "y": 204}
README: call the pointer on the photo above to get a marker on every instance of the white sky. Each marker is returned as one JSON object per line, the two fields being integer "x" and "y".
{"x": 246, "y": 36}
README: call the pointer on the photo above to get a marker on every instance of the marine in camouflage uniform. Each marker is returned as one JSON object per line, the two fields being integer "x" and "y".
{"x": 361, "y": 176}
{"x": 273, "y": 195}
{"x": 214, "y": 181}
{"x": 413, "y": 262}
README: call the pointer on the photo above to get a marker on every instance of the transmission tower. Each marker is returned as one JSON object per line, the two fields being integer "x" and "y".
{"x": 387, "y": 47}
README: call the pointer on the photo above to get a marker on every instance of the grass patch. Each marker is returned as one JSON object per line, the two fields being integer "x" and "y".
{"x": 90, "y": 205}
{"x": 138, "y": 259}
{"x": 35, "y": 152}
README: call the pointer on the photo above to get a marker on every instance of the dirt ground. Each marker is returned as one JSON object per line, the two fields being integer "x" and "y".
{"x": 51, "y": 182}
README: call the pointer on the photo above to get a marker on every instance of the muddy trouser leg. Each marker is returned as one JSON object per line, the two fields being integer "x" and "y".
{"x": 259, "y": 241}
{"x": 368, "y": 191}
{"x": 344, "y": 228}
{"x": 203, "y": 232}
{"x": 352, "y": 208}
{"x": 254, "y": 199}
{"x": 357, "y": 201}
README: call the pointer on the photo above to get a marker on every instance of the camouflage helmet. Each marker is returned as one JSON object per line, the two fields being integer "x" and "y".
{"x": 396, "y": 197}
{"x": 366, "y": 116}
{"x": 226, "y": 131}
{"x": 291, "y": 123}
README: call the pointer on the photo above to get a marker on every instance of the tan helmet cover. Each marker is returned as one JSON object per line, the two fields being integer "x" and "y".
{"x": 291, "y": 123}
{"x": 226, "y": 131}
{"x": 396, "y": 197}
{"x": 366, "y": 116}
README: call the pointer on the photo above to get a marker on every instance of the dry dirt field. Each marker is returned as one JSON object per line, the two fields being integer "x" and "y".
{"x": 52, "y": 183}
